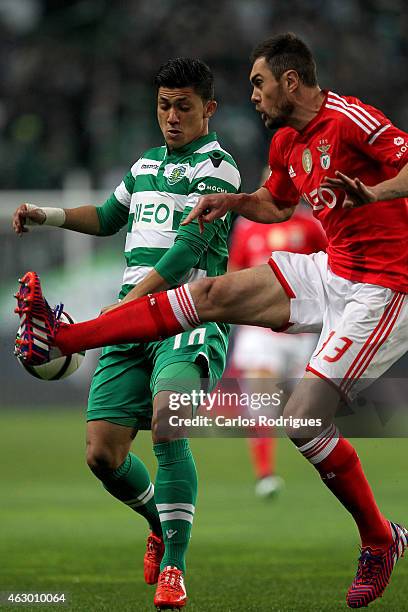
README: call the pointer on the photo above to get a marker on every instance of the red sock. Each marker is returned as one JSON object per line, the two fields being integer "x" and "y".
{"x": 262, "y": 453}
{"x": 341, "y": 471}
{"x": 149, "y": 318}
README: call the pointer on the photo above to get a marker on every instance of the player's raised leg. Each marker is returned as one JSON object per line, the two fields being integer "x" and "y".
{"x": 253, "y": 297}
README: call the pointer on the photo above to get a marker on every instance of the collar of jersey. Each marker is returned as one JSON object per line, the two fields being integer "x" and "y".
{"x": 317, "y": 117}
{"x": 192, "y": 146}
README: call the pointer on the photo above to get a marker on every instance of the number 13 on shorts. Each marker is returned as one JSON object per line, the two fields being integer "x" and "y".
{"x": 334, "y": 353}
{"x": 365, "y": 346}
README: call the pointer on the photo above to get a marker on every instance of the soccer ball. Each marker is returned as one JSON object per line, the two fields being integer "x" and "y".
{"x": 58, "y": 368}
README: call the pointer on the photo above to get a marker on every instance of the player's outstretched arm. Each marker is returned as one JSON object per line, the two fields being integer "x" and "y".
{"x": 83, "y": 219}
{"x": 152, "y": 283}
{"x": 358, "y": 194}
{"x": 258, "y": 206}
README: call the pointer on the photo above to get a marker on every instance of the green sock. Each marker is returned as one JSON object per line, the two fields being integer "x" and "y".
{"x": 130, "y": 483}
{"x": 175, "y": 494}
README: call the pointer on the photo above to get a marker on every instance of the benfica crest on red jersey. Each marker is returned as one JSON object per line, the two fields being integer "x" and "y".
{"x": 324, "y": 156}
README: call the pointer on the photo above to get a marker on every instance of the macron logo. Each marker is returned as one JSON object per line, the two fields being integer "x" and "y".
{"x": 292, "y": 173}
{"x": 150, "y": 166}
{"x": 170, "y": 533}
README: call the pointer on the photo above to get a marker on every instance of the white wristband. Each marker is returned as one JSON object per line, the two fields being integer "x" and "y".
{"x": 53, "y": 216}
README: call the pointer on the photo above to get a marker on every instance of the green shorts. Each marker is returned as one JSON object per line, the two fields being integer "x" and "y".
{"x": 128, "y": 376}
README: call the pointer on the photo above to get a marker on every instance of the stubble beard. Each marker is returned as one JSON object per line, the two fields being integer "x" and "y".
{"x": 282, "y": 118}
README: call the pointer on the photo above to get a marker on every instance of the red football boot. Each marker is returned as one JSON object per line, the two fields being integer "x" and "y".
{"x": 170, "y": 593}
{"x": 375, "y": 568}
{"x": 38, "y": 323}
{"x": 152, "y": 559}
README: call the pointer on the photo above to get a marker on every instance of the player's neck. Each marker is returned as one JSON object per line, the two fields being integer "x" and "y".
{"x": 308, "y": 104}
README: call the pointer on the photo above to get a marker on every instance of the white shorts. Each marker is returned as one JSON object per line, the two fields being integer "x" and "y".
{"x": 257, "y": 348}
{"x": 363, "y": 327}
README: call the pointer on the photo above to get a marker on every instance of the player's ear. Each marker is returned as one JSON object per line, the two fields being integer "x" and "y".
{"x": 291, "y": 80}
{"x": 209, "y": 108}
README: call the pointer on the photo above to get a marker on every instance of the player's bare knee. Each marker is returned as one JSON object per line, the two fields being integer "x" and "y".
{"x": 290, "y": 420}
{"x": 155, "y": 429}
{"x": 162, "y": 431}
{"x": 102, "y": 459}
{"x": 305, "y": 420}
{"x": 200, "y": 291}
{"x": 168, "y": 424}
{"x": 215, "y": 297}
{"x": 158, "y": 437}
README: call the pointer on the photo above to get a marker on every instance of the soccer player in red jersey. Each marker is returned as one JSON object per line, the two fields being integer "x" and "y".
{"x": 350, "y": 163}
{"x": 262, "y": 356}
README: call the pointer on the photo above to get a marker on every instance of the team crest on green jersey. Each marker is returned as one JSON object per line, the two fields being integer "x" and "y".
{"x": 176, "y": 174}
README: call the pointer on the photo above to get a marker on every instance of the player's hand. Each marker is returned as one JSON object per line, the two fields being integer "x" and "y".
{"x": 106, "y": 309}
{"x": 357, "y": 193}
{"x": 209, "y": 208}
{"x": 25, "y": 214}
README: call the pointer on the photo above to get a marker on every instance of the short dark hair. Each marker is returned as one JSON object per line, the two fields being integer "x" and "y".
{"x": 187, "y": 72}
{"x": 287, "y": 52}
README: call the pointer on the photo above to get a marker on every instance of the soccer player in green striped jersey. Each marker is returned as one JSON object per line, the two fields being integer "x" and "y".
{"x": 133, "y": 382}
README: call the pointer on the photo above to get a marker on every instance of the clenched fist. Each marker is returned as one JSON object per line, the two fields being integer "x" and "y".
{"x": 27, "y": 214}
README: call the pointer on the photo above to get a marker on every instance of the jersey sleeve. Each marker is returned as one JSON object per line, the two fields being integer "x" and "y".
{"x": 279, "y": 184}
{"x": 123, "y": 192}
{"x": 114, "y": 213}
{"x": 177, "y": 262}
{"x": 369, "y": 130}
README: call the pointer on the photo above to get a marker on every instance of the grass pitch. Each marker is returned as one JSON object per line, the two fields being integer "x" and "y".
{"x": 61, "y": 532}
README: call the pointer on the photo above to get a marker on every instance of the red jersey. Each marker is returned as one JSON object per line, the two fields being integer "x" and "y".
{"x": 252, "y": 243}
{"x": 365, "y": 244}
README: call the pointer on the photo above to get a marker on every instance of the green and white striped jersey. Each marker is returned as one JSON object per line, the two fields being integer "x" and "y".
{"x": 160, "y": 190}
